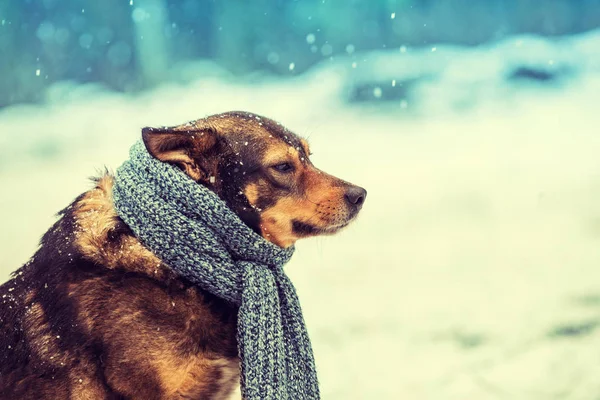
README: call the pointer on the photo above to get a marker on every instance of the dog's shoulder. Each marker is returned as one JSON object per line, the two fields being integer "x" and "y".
{"x": 100, "y": 236}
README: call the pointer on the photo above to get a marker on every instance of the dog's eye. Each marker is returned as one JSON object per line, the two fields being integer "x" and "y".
{"x": 283, "y": 167}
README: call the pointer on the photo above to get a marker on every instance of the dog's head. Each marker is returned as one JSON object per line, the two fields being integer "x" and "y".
{"x": 262, "y": 171}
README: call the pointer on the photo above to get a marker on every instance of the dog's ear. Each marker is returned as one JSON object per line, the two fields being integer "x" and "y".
{"x": 187, "y": 147}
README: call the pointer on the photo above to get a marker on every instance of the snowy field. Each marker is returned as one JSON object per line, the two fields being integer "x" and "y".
{"x": 474, "y": 269}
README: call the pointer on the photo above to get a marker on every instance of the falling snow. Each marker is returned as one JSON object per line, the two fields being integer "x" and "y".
{"x": 454, "y": 282}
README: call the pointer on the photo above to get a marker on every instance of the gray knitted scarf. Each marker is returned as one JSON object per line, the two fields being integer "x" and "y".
{"x": 194, "y": 232}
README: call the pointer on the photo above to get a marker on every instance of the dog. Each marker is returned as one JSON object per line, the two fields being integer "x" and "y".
{"x": 96, "y": 315}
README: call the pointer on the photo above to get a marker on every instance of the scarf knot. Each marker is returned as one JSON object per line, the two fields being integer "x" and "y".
{"x": 194, "y": 232}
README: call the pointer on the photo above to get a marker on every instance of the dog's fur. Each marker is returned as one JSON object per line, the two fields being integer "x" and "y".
{"x": 96, "y": 315}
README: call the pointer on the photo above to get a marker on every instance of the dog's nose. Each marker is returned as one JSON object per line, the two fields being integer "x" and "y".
{"x": 355, "y": 196}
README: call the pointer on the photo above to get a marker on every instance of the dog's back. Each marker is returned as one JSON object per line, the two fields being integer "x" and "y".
{"x": 89, "y": 317}
{"x": 37, "y": 346}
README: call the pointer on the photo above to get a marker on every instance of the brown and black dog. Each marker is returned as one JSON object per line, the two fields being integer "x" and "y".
{"x": 96, "y": 315}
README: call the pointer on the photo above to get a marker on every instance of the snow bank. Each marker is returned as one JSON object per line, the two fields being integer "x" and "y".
{"x": 473, "y": 270}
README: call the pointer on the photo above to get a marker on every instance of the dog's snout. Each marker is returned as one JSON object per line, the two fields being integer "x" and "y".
{"x": 355, "y": 196}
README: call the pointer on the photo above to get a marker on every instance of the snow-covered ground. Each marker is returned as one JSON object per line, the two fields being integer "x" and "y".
{"x": 474, "y": 270}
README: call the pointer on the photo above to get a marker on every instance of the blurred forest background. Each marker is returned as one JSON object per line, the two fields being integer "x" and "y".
{"x": 128, "y": 45}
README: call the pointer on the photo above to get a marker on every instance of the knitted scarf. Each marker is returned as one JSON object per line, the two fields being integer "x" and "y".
{"x": 194, "y": 232}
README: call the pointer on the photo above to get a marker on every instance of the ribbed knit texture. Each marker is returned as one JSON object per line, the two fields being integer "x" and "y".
{"x": 194, "y": 232}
